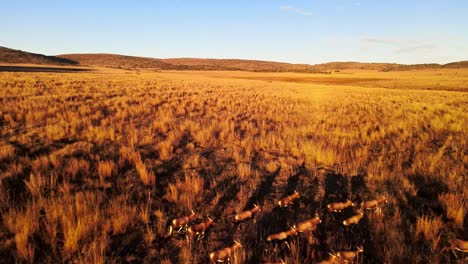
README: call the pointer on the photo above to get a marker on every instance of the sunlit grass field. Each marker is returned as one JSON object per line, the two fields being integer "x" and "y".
{"x": 94, "y": 166}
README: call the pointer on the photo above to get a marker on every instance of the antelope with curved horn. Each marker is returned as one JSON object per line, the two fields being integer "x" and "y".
{"x": 374, "y": 204}
{"x": 347, "y": 256}
{"x": 246, "y": 214}
{"x": 224, "y": 254}
{"x": 181, "y": 222}
{"x": 338, "y": 207}
{"x": 354, "y": 220}
{"x": 307, "y": 225}
{"x": 200, "y": 229}
{"x": 330, "y": 260}
{"x": 288, "y": 200}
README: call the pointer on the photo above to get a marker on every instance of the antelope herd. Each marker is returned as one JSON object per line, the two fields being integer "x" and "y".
{"x": 181, "y": 222}
{"x": 343, "y": 256}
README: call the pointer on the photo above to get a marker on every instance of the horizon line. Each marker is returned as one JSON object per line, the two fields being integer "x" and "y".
{"x": 233, "y": 58}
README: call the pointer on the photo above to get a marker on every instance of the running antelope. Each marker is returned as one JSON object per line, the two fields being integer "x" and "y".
{"x": 354, "y": 220}
{"x": 246, "y": 214}
{"x": 458, "y": 244}
{"x": 282, "y": 235}
{"x": 330, "y": 260}
{"x": 181, "y": 222}
{"x": 200, "y": 229}
{"x": 224, "y": 254}
{"x": 307, "y": 225}
{"x": 374, "y": 204}
{"x": 338, "y": 207}
{"x": 347, "y": 256}
{"x": 288, "y": 200}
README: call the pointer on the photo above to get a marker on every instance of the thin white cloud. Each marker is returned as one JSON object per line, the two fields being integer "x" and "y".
{"x": 296, "y": 10}
{"x": 402, "y": 45}
{"x": 428, "y": 46}
{"x": 374, "y": 40}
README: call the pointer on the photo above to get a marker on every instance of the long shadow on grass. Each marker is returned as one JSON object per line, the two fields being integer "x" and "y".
{"x": 332, "y": 228}
{"x": 263, "y": 190}
{"x": 359, "y": 235}
{"x": 424, "y": 203}
{"x": 276, "y": 220}
{"x": 335, "y": 186}
{"x": 228, "y": 188}
{"x": 24, "y": 150}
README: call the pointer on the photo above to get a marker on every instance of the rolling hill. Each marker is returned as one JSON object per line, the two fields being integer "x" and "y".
{"x": 118, "y": 61}
{"x": 336, "y": 66}
{"x": 131, "y": 62}
{"x": 456, "y": 65}
{"x": 122, "y": 61}
{"x": 241, "y": 65}
{"x": 18, "y": 56}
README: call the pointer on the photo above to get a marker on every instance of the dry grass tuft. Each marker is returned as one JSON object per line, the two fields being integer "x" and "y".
{"x": 244, "y": 171}
{"x": 106, "y": 169}
{"x": 186, "y": 192}
{"x": 121, "y": 214}
{"x": 7, "y": 151}
{"x": 161, "y": 221}
{"x": 23, "y": 224}
{"x": 455, "y": 205}
{"x": 148, "y": 178}
{"x": 38, "y": 185}
{"x": 428, "y": 227}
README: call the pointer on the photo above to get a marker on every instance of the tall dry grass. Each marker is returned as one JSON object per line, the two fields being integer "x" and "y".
{"x": 93, "y": 166}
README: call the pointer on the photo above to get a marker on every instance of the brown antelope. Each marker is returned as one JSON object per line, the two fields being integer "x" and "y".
{"x": 458, "y": 244}
{"x": 246, "y": 214}
{"x": 282, "y": 235}
{"x": 307, "y": 225}
{"x": 354, "y": 220}
{"x": 288, "y": 200}
{"x": 374, "y": 204}
{"x": 181, "y": 222}
{"x": 200, "y": 229}
{"x": 347, "y": 256}
{"x": 224, "y": 254}
{"x": 338, "y": 207}
{"x": 330, "y": 260}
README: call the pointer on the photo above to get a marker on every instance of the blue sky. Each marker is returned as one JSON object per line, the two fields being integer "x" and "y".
{"x": 298, "y": 31}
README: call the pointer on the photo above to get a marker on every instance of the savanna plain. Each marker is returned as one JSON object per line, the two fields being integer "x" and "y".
{"x": 94, "y": 166}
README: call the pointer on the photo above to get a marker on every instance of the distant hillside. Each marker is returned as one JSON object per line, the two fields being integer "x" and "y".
{"x": 334, "y": 66}
{"x": 403, "y": 67}
{"x": 17, "y": 56}
{"x": 241, "y": 65}
{"x": 119, "y": 61}
{"x": 130, "y": 62}
{"x": 330, "y": 66}
{"x": 459, "y": 64}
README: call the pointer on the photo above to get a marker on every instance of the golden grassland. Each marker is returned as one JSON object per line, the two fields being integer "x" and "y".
{"x": 94, "y": 165}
